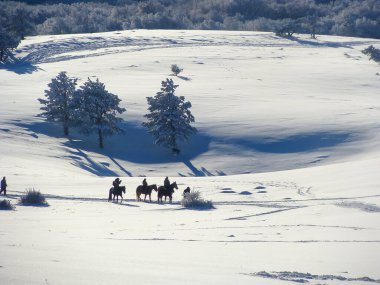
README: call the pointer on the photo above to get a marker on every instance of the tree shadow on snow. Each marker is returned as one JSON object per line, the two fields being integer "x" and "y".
{"x": 295, "y": 144}
{"x": 319, "y": 43}
{"x": 184, "y": 78}
{"x": 135, "y": 146}
{"x": 202, "y": 171}
{"x": 36, "y": 128}
{"x": 19, "y": 66}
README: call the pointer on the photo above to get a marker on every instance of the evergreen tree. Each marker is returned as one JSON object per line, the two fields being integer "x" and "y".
{"x": 176, "y": 69}
{"x": 97, "y": 110}
{"x": 20, "y": 22}
{"x": 59, "y": 104}
{"x": 8, "y": 42}
{"x": 373, "y": 53}
{"x": 169, "y": 118}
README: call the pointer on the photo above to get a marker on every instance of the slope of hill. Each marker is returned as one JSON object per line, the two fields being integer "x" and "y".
{"x": 287, "y": 149}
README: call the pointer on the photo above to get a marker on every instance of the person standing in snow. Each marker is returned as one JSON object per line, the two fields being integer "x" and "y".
{"x": 3, "y": 186}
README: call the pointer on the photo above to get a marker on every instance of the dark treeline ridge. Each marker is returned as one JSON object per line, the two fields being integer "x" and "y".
{"x": 359, "y": 18}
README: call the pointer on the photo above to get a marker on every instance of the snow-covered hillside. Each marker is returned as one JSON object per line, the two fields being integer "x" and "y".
{"x": 287, "y": 149}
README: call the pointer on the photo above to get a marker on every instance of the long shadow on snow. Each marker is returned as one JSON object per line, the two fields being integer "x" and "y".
{"x": 316, "y": 43}
{"x": 294, "y": 144}
{"x": 20, "y": 67}
{"x": 43, "y": 127}
{"x": 136, "y": 146}
{"x": 75, "y": 198}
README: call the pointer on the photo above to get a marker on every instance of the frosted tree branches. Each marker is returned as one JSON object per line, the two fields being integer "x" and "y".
{"x": 169, "y": 120}
{"x": 98, "y": 109}
{"x": 8, "y": 42}
{"x": 94, "y": 110}
{"x": 91, "y": 108}
{"x": 59, "y": 105}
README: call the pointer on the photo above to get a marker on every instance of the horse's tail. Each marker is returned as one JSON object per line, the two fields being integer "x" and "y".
{"x": 110, "y": 194}
{"x": 159, "y": 193}
{"x": 138, "y": 192}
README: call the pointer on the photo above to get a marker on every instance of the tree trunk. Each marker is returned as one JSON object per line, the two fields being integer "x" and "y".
{"x": 100, "y": 133}
{"x": 66, "y": 130}
{"x": 175, "y": 149}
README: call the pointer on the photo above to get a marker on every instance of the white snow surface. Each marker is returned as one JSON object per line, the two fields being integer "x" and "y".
{"x": 288, "y": 151}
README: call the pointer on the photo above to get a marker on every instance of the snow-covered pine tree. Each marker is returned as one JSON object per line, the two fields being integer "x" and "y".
{"x": 176, "y": 69}
{"x": 373, "y": 53}
{"x": 169, "y": 118}
{"x": 59, "y": 105}
{"x": 97, "y": 110}
{"x": 19, "y": 21}
{"x": 8, "y": 41}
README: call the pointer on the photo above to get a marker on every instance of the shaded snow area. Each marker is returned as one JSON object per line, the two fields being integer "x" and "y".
{"x": 287, "y": 151}
{"x": 307, "y": 277}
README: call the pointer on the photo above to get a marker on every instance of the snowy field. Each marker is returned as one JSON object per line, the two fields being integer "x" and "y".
{"x": 288, "y": 150}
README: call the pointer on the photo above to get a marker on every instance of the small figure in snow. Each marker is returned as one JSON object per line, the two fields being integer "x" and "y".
{"x": 187, "y": 190}
{"x": 4, "y": 186}
{"x": 167, "y": 183}
{"x": 144, "y": 184}
{"x": 116, "y": 183}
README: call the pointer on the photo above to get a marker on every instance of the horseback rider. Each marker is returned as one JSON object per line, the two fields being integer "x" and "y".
{"x": 116, "y": 190}
{"x": 167, "y": 183}
{"x": 144, "y": 184}
{"x": 116, "y": 183}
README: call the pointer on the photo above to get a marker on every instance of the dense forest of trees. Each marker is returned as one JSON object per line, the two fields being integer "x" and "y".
{"x": 339, "y": 17}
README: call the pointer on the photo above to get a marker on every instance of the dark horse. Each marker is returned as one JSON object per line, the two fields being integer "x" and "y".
{"x": 162, "y": 191}
{"x": 116, "y": 192}
{"x": 147, "y": 191}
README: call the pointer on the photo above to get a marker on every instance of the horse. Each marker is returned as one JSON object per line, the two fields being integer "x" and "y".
{"x": 162, "y": 191}
{"x": 147, "y": 191}
{"x": 116, "y": 192}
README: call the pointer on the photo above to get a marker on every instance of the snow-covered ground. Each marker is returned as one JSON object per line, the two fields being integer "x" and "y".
{"x": 288, "y": 150}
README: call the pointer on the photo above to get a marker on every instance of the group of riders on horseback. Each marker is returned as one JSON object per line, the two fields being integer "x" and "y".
{"x": 162, "y": 191}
